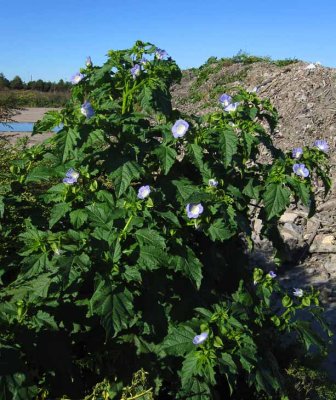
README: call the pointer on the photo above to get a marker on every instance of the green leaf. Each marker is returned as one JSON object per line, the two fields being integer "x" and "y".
{"x": 196, "y": 390}
{"x": 190, "y": 368}
{"x": 167, "y": 156}
{"x": 249, "y": 139}
{"x": 150, "y": 237}
{"x": 301, "y": 189}
{"x": 276, "y": 199}
{"x": 189, "y": 265}
{"x": 253, "y": 112}
{"x": 39, "y": 174}
{"x": 251, "y": 190}
{"x": 123, "y": 176}
{"x": 78, "y": 217}
{"x": 50, "y": 120}
{"x": 220, "y": 231}
{"x": 58, "y": 212}
{"x": 44, "y": 320}
{"x": 100, "y": 214}
{"x": 113, "y": 306}
{"x": 228, "y": 141}
{"x": 68, "y": 140}
{"x": 2, "y": 206}
{"x": 171, "y": 217}
{"x": 132, "y": 274}
{"x": 152, "y": 257}
{"x": 185, "y": 188}
{"x": 178, "y": 341}
{"x": 36, "y": 265}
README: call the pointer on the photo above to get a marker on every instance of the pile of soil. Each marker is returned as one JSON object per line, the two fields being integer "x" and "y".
{"x": 305, "y": 97}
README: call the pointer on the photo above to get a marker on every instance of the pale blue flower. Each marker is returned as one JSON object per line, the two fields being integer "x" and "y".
{"x": 194, "y": 210}
{"x": 199, "y": 339}
{"x": 213, "y": 182}
{"x": 76, "y": 78}
{"x": 71, "y": 177}
{"x": 160, "y": 54}
{"x": 322, "y": 145}
{"x": 272, "y": 274}
{"x": 135, "y": 71}
{"x": 297, "y": 152}
{"x": 301, "y": 170}
{"x": 87, "y": 109}
{"x": 232, "y": 107}
{"x": 298, "y": 292}
{"x": 88, "y": 61}
{"x": 144, "y": 192}
{"x": 225, "y": 99}
{"x": 143, "y": 61}
{"x": 180, "y": 128}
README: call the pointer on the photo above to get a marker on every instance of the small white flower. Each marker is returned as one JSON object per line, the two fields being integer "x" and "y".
{"x": 298, "y": 292}
{"x": 213, "y": 182}
{"x": 199, "y": 339}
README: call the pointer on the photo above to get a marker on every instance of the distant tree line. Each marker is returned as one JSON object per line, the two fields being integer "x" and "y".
{"x": 42, "y": 86}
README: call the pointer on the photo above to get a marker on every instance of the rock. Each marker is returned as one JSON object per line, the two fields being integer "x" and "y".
{"x": 288, "y": 216}
{"x": 329, "y": 205}
{"x": 323, "y": 244}
{"x": 330, "y": 265}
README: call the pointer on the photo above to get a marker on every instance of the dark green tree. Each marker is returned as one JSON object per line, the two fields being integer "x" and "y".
{"x": 16, "y": 83}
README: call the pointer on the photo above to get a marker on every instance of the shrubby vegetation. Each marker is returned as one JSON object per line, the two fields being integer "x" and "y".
{"x": 34, "y": 93}
{"x": 125, "y": 239}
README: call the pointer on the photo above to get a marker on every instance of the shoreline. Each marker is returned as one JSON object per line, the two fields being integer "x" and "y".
{"x": 28, "y": 115}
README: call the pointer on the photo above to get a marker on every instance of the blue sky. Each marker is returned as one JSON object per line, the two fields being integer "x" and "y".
{"x": 51, "y": 39}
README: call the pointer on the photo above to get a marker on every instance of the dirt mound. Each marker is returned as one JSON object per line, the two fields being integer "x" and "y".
{"x": 305, "y": 97}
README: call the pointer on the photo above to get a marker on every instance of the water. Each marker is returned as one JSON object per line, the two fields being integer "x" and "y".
{"x": 21, "y": 127}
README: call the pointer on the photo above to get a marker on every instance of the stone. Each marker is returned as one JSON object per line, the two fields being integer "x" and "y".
{"x": 323, "y": 244}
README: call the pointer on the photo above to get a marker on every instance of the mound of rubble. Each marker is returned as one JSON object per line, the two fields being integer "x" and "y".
{"x": 305, "y": 97}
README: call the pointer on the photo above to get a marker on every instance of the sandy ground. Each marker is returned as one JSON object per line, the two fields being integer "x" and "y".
{"x": 28, "y": 115}
{"x": 31, "y": 114}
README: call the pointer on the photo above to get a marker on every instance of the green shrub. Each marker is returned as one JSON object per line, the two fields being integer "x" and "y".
{"x": 133, "y": 252}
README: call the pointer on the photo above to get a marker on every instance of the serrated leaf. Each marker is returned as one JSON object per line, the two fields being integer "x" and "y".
{"x": 218, "y": 230}
{"x": 196, "y": 153}
{"x": 171, "y": 217}
{"x": 276, "y": 198}
{"x": 78, "y": 217}
{"x": 44, "y": 320}
{"x": 38, "y": 174}
{"x": 178, "y": 341}
{"x": 301, "y": 190}
{"x": 251, "y": 191}
{"x": 132, "y": 274}
{"x": 167, "y": 156}
{"x": 113, "y": 306}
{"x": 249, "y": 139}
{"x": 150, "y": 237}
{"x": 68, "y": 140}
{"x": 185, "y": 188}
{"x": 228, "y": 141}
{"x": 196, "y": 390}
{"x": 123, "y": 176}
{"x": 189, "y": 265}
{"x": 151, "y": 258}
{"x": 58, "y": 212}
{"x": 190, "y": 367}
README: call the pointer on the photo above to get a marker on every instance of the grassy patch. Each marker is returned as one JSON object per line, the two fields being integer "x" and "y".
{"x": 33, "y": 98}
